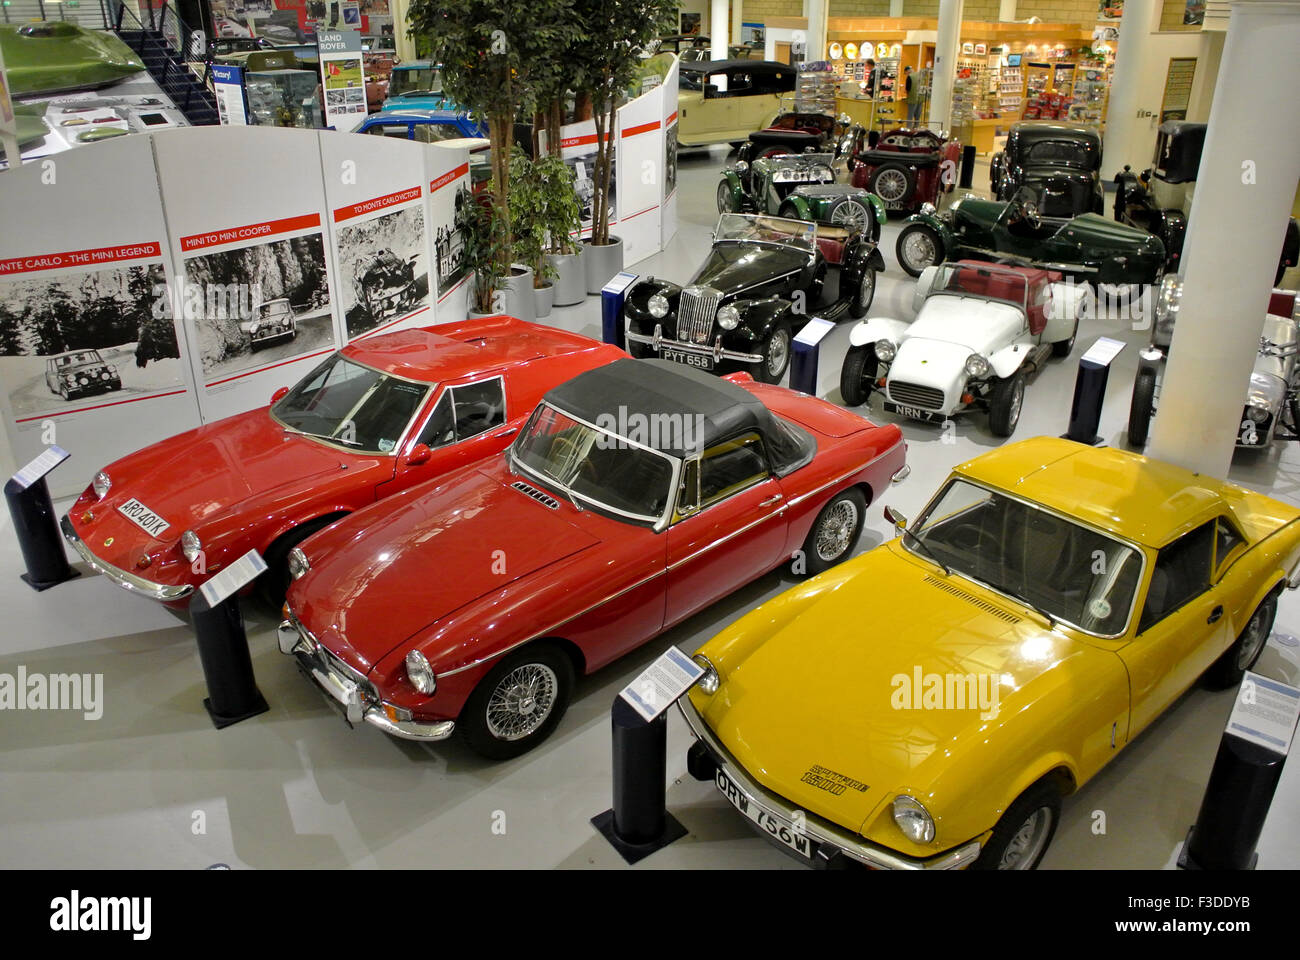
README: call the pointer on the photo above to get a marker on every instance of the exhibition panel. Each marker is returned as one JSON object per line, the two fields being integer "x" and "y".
{"x": 784, "y": 379}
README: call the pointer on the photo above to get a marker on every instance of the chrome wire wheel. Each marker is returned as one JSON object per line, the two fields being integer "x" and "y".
{"x": 1027, "y": 845}
{"x": 1017, "y": 401}
{"x": 867, "y": 288}
{"x": 1252, "y": 641}
{"x": 522, "y": 701}
{"x": 850, "y": 214}
{"x": 891, "y": 185}
{"x": 778, "y": 351}
{"x": 724, "y": 197}
{"x": 836, "y": 529}
{"x": 918, "y": 250}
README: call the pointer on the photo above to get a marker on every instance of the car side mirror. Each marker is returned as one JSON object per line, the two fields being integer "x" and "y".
{"x": 897, "y": 519}
{"x": 419, "y": 454}
{"x": 279, "y": 395}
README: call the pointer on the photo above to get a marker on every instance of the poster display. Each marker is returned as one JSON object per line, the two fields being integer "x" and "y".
{"x": 343, "y": 80}
{"x": 298, "y": 21}
{"x": 578, "y": 150}
{"x": 448, "y": 177}
{"x": 228, "y": 84}
{"x": 668, "y": 217}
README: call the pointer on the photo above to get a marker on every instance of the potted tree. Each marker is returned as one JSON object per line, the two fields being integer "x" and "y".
{"x": 528, "y": 231}
{"x": 561, "y": 216}
{"x": 618, "y": 34}
{"x": 483, "y": 237}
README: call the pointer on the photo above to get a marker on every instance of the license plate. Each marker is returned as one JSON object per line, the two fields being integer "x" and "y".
{"x": 778, "y": 828}
{"x": 690, "y": 359}
{"x": 144, "y": 518}
{"x": 916, "y": 413}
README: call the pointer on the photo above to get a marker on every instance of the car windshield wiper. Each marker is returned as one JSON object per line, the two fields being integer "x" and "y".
{"x": 1051, "y": 620}
{"x": 321, "y": 436}
{"x": 925, "y": 548}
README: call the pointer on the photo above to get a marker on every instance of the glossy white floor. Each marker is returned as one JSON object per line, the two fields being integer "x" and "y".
{"x": 152, "y": 784}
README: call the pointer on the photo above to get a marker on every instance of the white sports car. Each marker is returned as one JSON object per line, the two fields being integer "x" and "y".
{"x": 982, "y": 330}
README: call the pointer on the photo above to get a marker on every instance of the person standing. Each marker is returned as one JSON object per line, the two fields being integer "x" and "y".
{"x": 915, "y": 97}
{"x": 871, "y": 88}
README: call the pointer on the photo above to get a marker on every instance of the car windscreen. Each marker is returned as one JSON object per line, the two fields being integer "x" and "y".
{"x": 764, "y": 229}
{"x": 595, "y": 466}
{"x": 1066, "y": 153}
{"x": 351, "y": 405}
{"x": 80, "y": 359}
{"x": 1066, "y": 570}
{"x": 992, "y": 282}
{"x": 402, "y": 82}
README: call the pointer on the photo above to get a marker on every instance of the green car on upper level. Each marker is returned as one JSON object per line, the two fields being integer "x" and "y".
{"x": 54, "y": 56}
{"x": 1087, "y": 247}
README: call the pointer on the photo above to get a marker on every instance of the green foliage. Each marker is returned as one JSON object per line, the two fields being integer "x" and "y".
{"x": 484, "y": 236}
{"x": 544, "y": 211}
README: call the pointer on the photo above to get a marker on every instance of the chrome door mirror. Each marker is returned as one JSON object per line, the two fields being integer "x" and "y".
{"x": 897, "y": 519}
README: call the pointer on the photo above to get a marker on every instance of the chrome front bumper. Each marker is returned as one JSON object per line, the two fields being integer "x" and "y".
{"x": 819, "y": 830}
{"x": 346, "y": 687}
{"x": 166, "y": 593}
{"x": 715, "y": 350}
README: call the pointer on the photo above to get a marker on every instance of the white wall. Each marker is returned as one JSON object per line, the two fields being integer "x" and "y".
{"x": 1162, "y": 47}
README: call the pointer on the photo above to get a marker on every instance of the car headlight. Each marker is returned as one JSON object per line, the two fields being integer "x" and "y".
{"x": 913, "y": 819}
{"x": 885, "y": 350}
{"x": 106, "y": 375}
{"x": 658, "y": 306}
{"x": 1257, "y": 414}
{"x": 1167, "y": 301}
{"x": 977, "y": 366}
{"x": 928, "y": 209}
{"x": 101, "y": 484}
{"x": 191, "y": 546}
{"x": 298, "y": 563}
{"x": 421, "y": 674}
{"x": 728, "y": 317}
{"x": 709, "y": 682}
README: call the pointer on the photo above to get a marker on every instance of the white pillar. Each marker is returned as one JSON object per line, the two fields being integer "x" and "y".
{"x": 1244, "y": 191}
{"x": 816, "y": 37}
{"x": 945, "y": 63}
{"x": 737, "y": 22}
{"x": 405, "y": 43}
{"x": 1007, "y": 10}
{"x": 718, "y": 29}
{"x": 1129, "y": 86}
{"x": 895, "y": 8}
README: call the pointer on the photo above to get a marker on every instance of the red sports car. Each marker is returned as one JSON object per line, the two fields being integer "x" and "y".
{"x": 637, "y": 494}
{"x": 376, "y": 417}
{"x": 906, "y": 168}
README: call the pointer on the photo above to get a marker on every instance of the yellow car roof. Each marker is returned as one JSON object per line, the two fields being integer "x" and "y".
{"x": 1132, "y": 496}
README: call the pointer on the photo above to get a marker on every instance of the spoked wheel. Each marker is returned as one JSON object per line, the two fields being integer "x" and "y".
{"x": 1227, "y": 671}
{"x": 1023, "y": 834}
{"x": 776, "y": 354}
{"x": 865, "y": 293}
{"x": 835, "y": 531}
{"x": 519, "y": 703}
{"x": 918, "y": 247}
{"x": 725, "y": 202}
{"x": 851, "y": 214}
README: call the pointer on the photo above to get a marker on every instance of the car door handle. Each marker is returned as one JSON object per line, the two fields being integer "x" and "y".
{"x": 1215, "y": 614}
{"x": 507, "y": 432}
{"x": 775, "y": 498}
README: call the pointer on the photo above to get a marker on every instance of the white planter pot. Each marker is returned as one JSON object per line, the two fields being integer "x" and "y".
{"x": 520, "y": 301}
{"x": 543, "y": 297}
{"x": 602, "y": 262}
{"x": 571, "y": 279}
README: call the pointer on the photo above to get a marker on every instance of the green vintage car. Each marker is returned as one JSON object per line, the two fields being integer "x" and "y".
{"x": 800, "y": 186}
{"x": 55, "y": 56}
{"x": 1088, "y": 247}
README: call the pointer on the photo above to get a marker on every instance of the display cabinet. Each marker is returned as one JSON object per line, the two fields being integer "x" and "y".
{"x": 284, "y": 98}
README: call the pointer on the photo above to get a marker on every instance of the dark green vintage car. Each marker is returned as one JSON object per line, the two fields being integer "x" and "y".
{"x": 1088, "y": 247}
{"x": 800, "y": 186}
{"x": 51, "y": 57}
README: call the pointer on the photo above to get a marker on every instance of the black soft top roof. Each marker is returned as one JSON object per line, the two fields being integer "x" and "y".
{"x": 1054, "y": 130}
{"x": 753, "y": 66}
{"x": 660, "y": 388}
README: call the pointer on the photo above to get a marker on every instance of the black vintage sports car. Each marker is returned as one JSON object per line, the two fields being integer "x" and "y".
{"x": 763, "y": 280}
{"x": 1054, "y": 165}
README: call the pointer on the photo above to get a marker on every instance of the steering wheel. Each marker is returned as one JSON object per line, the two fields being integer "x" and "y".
{"x": 1030, "y": 212}
{"x": 823, "y": 171}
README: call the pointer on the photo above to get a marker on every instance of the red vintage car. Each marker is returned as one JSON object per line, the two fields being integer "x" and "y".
{"x": 376, "y": 417}
{"x": 637, "y": 494}
{"x": 906, "y": 167}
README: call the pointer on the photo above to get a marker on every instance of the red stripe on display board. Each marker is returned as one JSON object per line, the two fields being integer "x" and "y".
{"x": 672, "y": 118}
{"x": 639, "y": 212}
{"x": 459, "y": 283}
{"x": 378, "y": 203}
{"x": 447, "y": 178}
{"x": 100, "y": 406}
{"x": 371, "y": 333}
{"x": 251, "y": 231}
{"x": 582, "y": 141}
{"x": 80, "y": 258}
{"x": 641, "y": 128}
{"x": 249, "y": 373}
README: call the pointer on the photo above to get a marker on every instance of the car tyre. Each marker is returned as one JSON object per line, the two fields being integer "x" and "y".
{"x": 789, "y": 211}
{"x": 852, "y": 214}
{"x": 1062, "y": 348}
{"x": 1006, "y": 403}
{"x": 1024, "y": 832}
{"x": 835, "y": 531}
{"x": 274, "y": 584}
{"x": 776, "y": 353}
{"x": 1141, "y": 407}
{"x": 864, "y": 294}
{"x": 858, "y": 375}
{"x": 1228, "y": 670}
{"x": 725, "y": 201}
{"x": 507, "y": 698}
{"x": 918, "y": 247}
{"x": 893, "y": 182}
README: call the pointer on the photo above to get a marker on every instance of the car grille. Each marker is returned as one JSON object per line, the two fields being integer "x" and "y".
{"x": 695, "y": 313}
{"x": 915, "y": 395}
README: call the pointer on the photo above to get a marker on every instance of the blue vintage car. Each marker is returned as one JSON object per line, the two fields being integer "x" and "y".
{"x": 416, "y": 85}
{"x": 427, "y": 126}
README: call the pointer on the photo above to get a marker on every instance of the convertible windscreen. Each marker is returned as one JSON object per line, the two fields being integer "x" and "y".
{"x": 763, "y": 229}
{"x": 593, "y": 465}
{"x": 966, "y": 280}
{"x": 403, "y": 82}
{"x": 352, "y": 405}
{"x": 1064, "y": 569}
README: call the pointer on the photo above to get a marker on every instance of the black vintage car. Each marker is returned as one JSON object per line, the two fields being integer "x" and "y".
{"x": 763, "y": 280}
{"x": 1159, "y": 199}
{"x": 1056, "y": 166}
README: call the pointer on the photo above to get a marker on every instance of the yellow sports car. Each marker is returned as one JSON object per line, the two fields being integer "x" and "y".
{"x": 929, "y": 703}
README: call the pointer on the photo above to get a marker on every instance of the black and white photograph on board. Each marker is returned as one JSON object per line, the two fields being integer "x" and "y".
{"x": 449, "y": 248}
{"x": 670, "y": 161}
{"x": 71, "y": 340}
{"x": 384, "y": 272}
{"x": 584, "y": 182}
{"x": 261, "y": 304}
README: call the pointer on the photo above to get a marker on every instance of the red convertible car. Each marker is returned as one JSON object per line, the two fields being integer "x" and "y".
{"x": 374, "y": 418}
{"x": 637, "y": 494}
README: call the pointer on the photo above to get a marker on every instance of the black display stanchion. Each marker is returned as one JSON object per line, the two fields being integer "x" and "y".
{"x": 1090, "y": 390}
{"x": 612, "y": 296}
{"x": 639, "y": 822}
{"x": 967, "y": 167}
{"x": 223, "y": 644}
{"x": 35, "y": 522}
{"x": 803, "y": 358}
{"x": 1245, "y": 776}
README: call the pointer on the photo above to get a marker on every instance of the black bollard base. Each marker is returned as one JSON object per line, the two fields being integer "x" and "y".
{"x": 39, "y": 585}
{"x": 1187, "y": 862}
{"x": 636, "y": 852}
{"x": 221, "y": 721}
{"x": 227, "y": 665}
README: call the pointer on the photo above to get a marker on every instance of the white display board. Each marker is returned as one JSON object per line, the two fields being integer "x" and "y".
{"x": 90, "y": 357}
{"x": 640, "y": 167}
{"x": 446, "y": 175}
{"x": 668, "y": 217}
